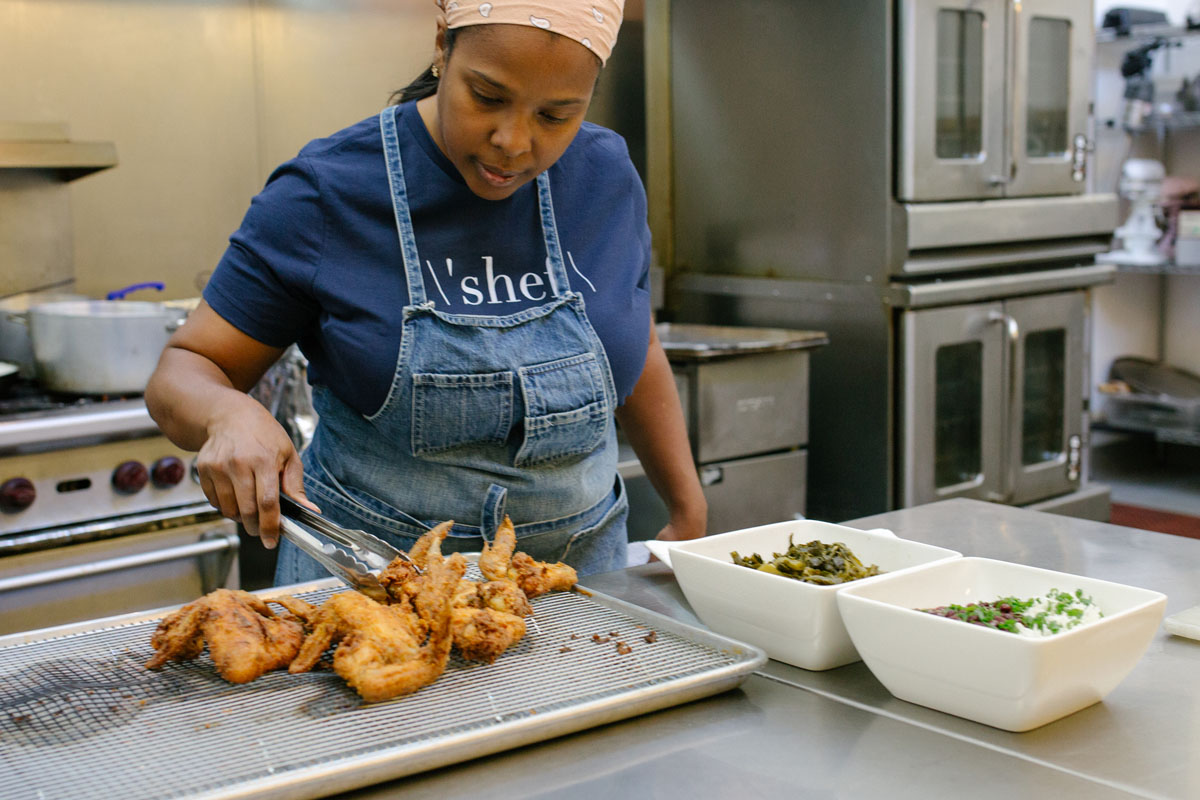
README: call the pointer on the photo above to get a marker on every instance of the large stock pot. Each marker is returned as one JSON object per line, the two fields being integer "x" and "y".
{"x": 99, "y": 346}
{"x": 14, "y": 327}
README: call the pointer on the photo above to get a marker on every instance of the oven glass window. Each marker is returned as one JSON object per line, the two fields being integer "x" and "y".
{"x": 1049, "y": 73}
{"x": 959, "y": 84}
{"x": 1045, "y": 376}
{"x": 958, "y": 420}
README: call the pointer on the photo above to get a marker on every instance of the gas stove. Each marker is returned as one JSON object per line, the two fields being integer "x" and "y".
{"x": 68, "y": 461}
{"x": 100, "y": 514}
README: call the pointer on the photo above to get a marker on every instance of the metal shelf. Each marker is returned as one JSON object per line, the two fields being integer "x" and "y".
{"x": 1176, "y": 436}
{"x": 1168, "y": 268}
{"x": 1161, "y": 435}
{"x": 1182, "y": 120}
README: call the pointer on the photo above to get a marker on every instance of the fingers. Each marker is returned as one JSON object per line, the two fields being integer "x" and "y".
{"x": 266, "y": 506}
{"x": 245, "y": 487}
{"x": 219, "y": 493}
{"x": 292, "y": 479}
{"x": 234, "y": 492}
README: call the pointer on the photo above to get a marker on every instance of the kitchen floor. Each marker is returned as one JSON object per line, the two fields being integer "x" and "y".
{"x": 1147, "y": 474}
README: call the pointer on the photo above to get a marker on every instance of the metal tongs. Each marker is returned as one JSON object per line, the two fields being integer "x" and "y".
{"x": 354, "y": 556}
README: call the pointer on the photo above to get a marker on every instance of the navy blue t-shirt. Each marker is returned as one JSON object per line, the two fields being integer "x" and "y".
{"x": 317, "y": 258}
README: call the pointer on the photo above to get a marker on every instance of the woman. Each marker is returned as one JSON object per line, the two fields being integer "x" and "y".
{"x": 467, "y": 275}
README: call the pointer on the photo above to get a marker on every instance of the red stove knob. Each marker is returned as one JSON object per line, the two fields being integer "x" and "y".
{"x": 17, "y": 494}
{"x": 130, "y": 477}
{"x": 168, "y": 471}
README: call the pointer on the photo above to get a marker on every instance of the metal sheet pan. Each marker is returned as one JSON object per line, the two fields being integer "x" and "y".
{"x": 81, "y": 717}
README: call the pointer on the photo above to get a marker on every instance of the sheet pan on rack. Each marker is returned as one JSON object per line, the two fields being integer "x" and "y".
{"x": 83, "y": 718}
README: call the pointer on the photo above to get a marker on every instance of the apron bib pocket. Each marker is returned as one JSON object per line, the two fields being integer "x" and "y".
{"x": 566, "y": 409}
{"x": 451, "y": 410}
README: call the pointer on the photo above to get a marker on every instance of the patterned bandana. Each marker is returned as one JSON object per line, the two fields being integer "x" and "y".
{"x": 592, "y": 23}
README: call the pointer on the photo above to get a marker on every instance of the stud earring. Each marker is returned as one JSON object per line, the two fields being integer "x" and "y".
{"x": 437, "y": 73}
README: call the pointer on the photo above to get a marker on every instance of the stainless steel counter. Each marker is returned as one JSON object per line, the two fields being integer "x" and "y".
{"x": 840, "y": 733}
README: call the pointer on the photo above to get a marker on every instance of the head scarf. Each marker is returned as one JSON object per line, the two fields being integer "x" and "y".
{"x": 592, "y": 23}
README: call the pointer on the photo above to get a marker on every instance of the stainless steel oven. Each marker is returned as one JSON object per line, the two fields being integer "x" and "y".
{"x": 993, "y": 98}
{"x": 100, "y": 515}
{"x": 912, "y": 180}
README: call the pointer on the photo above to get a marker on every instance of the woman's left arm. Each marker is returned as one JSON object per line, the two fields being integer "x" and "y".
{"x": 652, "y": 420}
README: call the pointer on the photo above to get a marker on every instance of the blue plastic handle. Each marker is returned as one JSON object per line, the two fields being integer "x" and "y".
{"x": 119, "y": 294}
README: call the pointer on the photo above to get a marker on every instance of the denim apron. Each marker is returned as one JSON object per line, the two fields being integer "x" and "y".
{"x": 485, "y": 416}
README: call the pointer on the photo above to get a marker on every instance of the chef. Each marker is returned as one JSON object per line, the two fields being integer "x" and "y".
{"x": 467, "y": 274}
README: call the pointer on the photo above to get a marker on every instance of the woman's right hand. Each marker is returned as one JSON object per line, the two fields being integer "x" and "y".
{"x": 245, "y": 462}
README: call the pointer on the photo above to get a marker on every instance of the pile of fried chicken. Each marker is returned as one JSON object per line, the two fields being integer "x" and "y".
{"x": 381, "y": 650}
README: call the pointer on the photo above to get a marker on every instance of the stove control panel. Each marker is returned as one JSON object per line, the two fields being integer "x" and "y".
{"x": 78, "y": 485}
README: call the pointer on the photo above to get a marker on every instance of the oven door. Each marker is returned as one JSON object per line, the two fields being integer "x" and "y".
{"x": 132, "y": 571}
{"x": 952, "y": 403}
{"x": 1045, "y": 440}
{"x": 953, "y": 99}
{"x": 1052, "y": 47}
{"x": 992, "y": 400}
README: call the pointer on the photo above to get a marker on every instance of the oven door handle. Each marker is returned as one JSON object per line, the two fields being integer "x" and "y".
{"x": 1008, "y": 455}
{"x": 217, "y": 544}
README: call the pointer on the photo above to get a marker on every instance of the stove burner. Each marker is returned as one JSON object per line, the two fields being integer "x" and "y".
{"x": 25, "y": 396}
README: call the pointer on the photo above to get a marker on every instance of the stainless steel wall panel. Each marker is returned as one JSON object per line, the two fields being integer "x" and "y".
{"x": 782, "y": 138}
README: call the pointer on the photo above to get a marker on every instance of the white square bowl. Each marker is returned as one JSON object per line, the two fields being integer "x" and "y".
{"x": 793, "y": 621}
{"x": 1001, "y": 679}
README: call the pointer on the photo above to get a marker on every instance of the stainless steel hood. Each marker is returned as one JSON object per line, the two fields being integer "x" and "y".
{"x": 47, "y": 146}
{"x": 37, "y": 162}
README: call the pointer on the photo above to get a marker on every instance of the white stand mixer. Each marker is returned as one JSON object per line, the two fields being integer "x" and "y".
{"x": 1141, "y": 182}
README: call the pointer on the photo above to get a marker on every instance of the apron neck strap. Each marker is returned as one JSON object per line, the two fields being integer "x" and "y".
{"x": 556, "y": 268}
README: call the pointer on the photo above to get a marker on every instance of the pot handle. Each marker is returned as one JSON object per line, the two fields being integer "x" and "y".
{"x": 119, "y": 294}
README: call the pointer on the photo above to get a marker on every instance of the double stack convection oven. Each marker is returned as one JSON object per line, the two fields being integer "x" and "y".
{"x": 910, "y": 177}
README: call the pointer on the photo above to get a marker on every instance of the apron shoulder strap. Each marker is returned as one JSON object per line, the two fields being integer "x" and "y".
{"x": 404, "y": 226}
{"x": 555, "y": 265}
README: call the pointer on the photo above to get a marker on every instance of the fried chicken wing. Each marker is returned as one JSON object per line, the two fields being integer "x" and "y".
{"x": 401, "y": 577}
{"x": 245, "y": 637}
{"x": 482, "y": 634}
{"x": 487, "y": 618}
{"x": 504, "y": 596}
{"x": 498, "y": 562}
{"x": 384, "y": 651}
